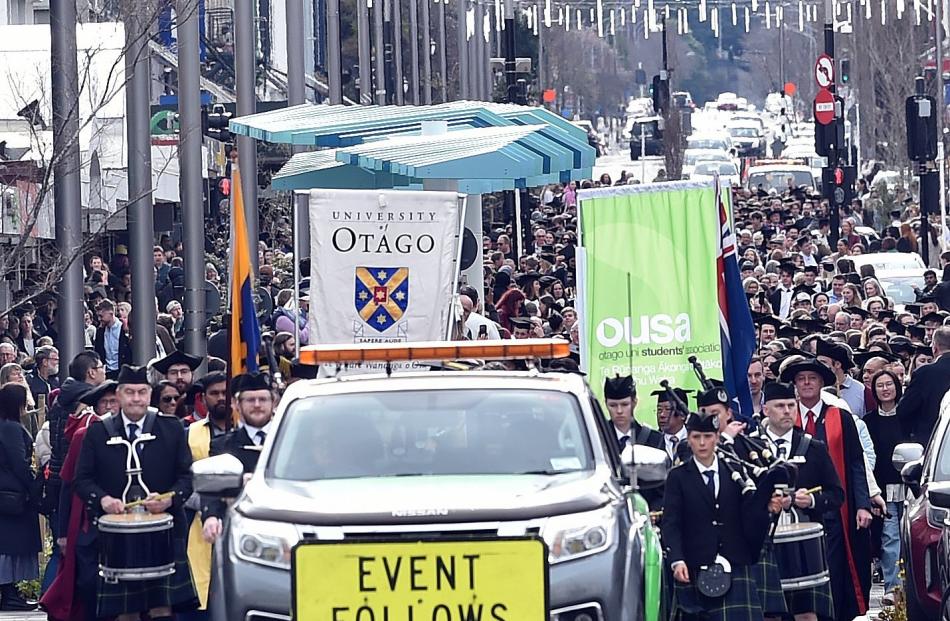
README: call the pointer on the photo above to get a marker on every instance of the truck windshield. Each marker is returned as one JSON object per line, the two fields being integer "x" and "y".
{"x": 431, "y": 432}
{"x": 780, "y": 180}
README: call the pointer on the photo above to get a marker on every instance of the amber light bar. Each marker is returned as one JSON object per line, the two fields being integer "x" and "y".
{"x": 436, "y": 350}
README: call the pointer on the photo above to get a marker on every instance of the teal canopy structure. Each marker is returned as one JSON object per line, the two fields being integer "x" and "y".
{"x": 485, "y": 147}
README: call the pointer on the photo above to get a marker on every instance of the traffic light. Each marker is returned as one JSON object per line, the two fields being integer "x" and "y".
{"x": 660, "y": 90}
{"x": 845, "y": 71}
{"x": 921, "y": 115}
{"x": 217, "y": 123}
{"x": 841, "y": 180}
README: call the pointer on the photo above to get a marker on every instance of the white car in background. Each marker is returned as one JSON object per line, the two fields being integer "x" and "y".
{"x": 691, "y": 157}
{"x": 705, "y": 170}
{"x": 775, "y": 177}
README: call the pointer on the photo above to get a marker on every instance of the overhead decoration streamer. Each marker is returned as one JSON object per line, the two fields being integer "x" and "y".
{"x": 600, "y": 18}
{"x": 702, "y": 10}
{"x": 748, "y": 18}
{"x": 623, "y": 17}
{"x": 613, "y": 22}
{"x": 646, "y": 24}
{"x": 547, "y": 13}
{"x": 735, "y": 14}
{"x": 768, "y": 16}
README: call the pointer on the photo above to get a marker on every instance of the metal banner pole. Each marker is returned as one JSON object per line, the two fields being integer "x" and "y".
{"x": 139, "y": 166}
{"x": 245, "y": 77}
{"x": 66, "y": 190}
{"x": 189, "y": 183}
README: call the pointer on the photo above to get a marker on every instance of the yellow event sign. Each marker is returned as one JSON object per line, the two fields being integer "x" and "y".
{"x": 487, "y": 580}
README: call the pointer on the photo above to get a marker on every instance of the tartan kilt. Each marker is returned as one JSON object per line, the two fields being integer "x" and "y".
{"x": 741, "y": 603}
{"x": 768, "y": 579}
{"x": 176, "y": 591}
{"x": 815, "y": 599}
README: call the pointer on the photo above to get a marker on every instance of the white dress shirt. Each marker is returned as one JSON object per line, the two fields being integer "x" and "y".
{"x": 670, "y": 445}
{"x": 803, "y": 413}
{"x": 786, "y": 302}
{"x": 782, "y": 441}
{"x": 714, "y": 468}
{"x": 252, "y": 432}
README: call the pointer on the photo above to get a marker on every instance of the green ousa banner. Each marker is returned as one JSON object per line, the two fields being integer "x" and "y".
{"x": 662, "y": 239}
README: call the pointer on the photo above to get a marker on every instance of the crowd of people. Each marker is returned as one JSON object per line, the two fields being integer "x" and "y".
{"x": 837, "y": 360}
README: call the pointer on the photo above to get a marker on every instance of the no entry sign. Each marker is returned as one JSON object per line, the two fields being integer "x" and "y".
{"x": 824, "y": 107}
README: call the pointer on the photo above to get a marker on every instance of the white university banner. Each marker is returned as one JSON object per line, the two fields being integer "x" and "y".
{"x": 384, "y": 265}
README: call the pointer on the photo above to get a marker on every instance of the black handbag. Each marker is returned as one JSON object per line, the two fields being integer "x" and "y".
{"x": 713, "y": 580}
{"x": 12, "y": 503}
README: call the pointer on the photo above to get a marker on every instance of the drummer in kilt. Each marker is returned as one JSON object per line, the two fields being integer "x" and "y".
{"x": 708, "y": 522}
{"x": 166, "y": 468}
{"x": 814, "y": 469}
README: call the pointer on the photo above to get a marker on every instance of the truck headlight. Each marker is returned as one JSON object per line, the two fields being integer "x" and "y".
{"x": 263, "y": 543}
{"x": 579, "y": 534}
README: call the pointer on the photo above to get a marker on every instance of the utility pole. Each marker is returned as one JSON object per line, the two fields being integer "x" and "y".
{"x": 511, "y": 77}
{"x": 461, "y": 20}
{"x": 388, "y": 52}
{"x": 380, "y": 60}
{"x": 397, "y": 52}
{"x": 334, "y": 53}
{"x": 443, "y": 65}
{"x": 922, "y": 136}
{"x": 245, "y": 77}
{"x": 139, "y": 167}
{"x": 189, "y": 181}
{"x": 67, "y": 189}
{"x": 363, "y": 48}
{"x": 829, "y": 180}
{"x": 426, "y": 53}
{"x": 414, "y": 53}
{"x": 480, "y": 69}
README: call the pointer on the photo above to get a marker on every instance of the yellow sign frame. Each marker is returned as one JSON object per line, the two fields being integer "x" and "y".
{"x": 390, "y": 579}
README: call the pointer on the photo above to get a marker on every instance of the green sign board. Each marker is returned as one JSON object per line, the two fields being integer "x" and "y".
{"x": 648, "y": 285}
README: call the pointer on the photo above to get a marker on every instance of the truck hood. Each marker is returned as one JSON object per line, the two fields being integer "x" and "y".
{"x": 425, "y": 499}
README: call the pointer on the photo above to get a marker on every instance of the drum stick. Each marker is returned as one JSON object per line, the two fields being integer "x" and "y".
{"x": 813, "y": 490}
{"x": 137, "y": 503}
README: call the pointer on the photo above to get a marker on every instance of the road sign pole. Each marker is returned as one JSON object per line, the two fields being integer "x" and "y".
{"x": 832, "y": 163}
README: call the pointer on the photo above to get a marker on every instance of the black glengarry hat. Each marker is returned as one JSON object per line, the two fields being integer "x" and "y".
{"x": 619, "y": 387}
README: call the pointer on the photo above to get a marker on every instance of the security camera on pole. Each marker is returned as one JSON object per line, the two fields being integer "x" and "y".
{"x": 921, "y": 114}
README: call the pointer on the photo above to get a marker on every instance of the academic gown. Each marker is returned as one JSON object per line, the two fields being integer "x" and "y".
{"x": 849, "y": 548}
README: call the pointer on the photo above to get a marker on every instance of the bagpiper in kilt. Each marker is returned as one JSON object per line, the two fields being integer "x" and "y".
{"x": 102, "y": 482}
{"x": 708, "y": 521}
{"x": 817, "y": 486}
{"x": 735, "y": 437}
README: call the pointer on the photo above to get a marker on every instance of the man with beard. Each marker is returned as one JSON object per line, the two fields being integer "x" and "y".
{"x": 849, "y": 551}
{"x": 254, "y": 400}
{"x": 178, "y": 368}
{"x": 200, "y": 436}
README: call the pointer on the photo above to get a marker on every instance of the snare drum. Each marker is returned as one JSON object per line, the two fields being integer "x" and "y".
{"x": 136, "y": 546}
{"x": 800, "y": 554}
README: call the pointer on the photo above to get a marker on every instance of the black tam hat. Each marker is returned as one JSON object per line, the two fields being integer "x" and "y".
{"x": 132, "y": 375}
{"x": 619, "y": 387}
{"x": 252, "y": 381}
{"x": 716, "y": 395}
{"x": 91, "y": 397}
{"x": 702, "y": 422}
{"x": 176, "y": 357}
{"x": 778, "y": 390}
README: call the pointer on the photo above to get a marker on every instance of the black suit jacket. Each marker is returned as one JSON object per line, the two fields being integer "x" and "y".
{"x": 696, "y": 527}
{"x": 816, "y": 470}
{"x": 919, "y": 408}
{"x": 166, "y": 463}
{"x": 775, "y": 301}
{"x": 236, "y": 443}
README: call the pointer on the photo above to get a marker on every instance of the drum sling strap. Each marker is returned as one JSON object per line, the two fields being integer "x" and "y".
{"x": 643, "y": 435}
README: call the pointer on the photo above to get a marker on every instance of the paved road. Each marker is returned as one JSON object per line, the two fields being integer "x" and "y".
{"x": 616, "y": 161}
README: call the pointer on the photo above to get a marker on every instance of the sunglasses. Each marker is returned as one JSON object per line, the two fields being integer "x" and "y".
{"x": 169, "y": 398}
